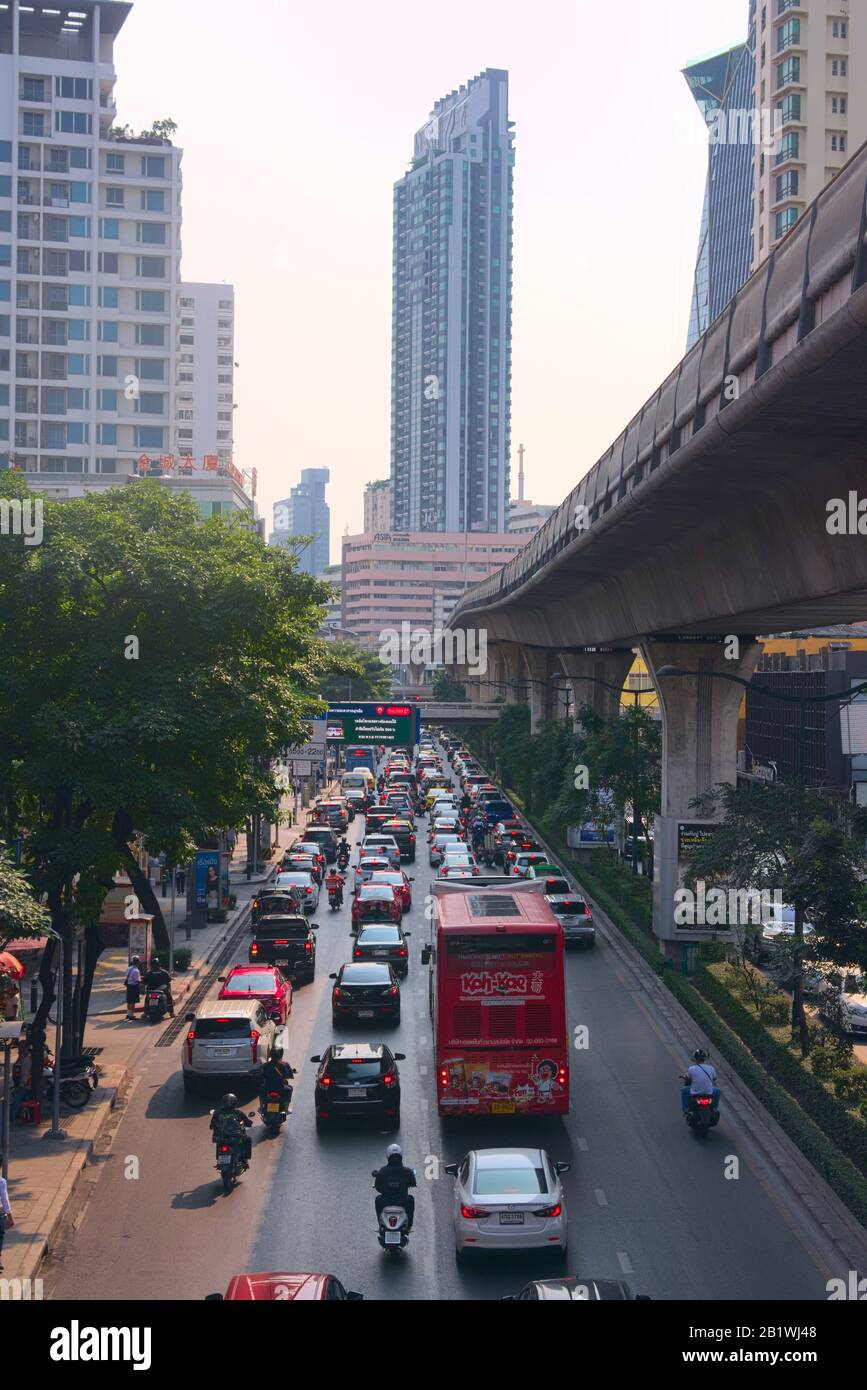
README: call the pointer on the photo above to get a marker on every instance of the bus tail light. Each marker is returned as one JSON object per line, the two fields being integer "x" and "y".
{"x": 562, "y": 1075}
{"x": 444, "y": 1078}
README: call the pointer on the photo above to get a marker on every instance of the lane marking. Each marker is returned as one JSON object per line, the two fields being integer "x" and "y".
{"x": 625, "y": 1264}
{"x": 422, "y": 1071}
{"x": 601, "y": 1198}
{"x": 582, "y": 1145}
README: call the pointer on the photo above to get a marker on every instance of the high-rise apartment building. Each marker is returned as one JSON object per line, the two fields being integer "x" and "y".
{"x": 451, "y": 316}
{"x": 89, "y": 255}
{"x": 377, "y": 506}
{"x": 722, "y": 85}
{"x": 305, "y": 512}
{"x": 811, "y": 70}
{"x": 205, "y": 371}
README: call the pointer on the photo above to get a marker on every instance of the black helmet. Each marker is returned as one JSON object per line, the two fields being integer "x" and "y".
{"x": 276, "y": 1054}
{"x": 229, "y": 1101}
{"x": 699, "y": 1055}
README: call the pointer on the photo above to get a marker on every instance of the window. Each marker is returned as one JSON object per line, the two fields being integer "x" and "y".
{"x": 32, "y": 89}
{"x": 184, "y": 415}
{"x": 153, "y": 200}
{"x": 115, "y": 163}
{"x": 187, "y": 304}
{"x": 153, "y": 166}
{"x": 151, "y": 403}
{"x": 224, "y": 362}
{"x": 106, "y": 366}
{"x": 788, "y": 72}
{"x": 789, "y": 146}
{"x": 79, "y": 330}
{"x": 187, "y": 339}
{"x": 150, "y": 267}
{"x": 185, "y": 376}
{"x": 33, "y": 123}
{"x": 224, "y": 380}
{"x": 54, "y": 401}
{"x": 114, "y": 197}
{"x": 79, "y": 192}
{"x": 109, "y": 228}
{"x": 108, "y": 262}
{"x": 77, "y": 398}
{"x": 73, "y": 122}
{"x": 78, "y": 364}
{"x": 149, "y": 437}
{"x": 225, "y": 304}
{"x": 788, "y": 35}
{"x": 151, "y": 368}
{"x": 150, "y": 334}
{"x": 106, "y": 434}
{"x": 784, "y": 221}
{"x": 74, "y": 88}
{"x": 53, "y": 436}
{"x": 224, "y": 434}
{"x": 186, "y": 358}
{"x": 106, "y": 400}
{"x": 225, "y": 415}
{"x": 838, "y": 143}
{"x": 151, "y": 233}
{"x": 79, "y": 226}
{"x": 225, "y": 324}
{"x": 107, "y": 332}
{"x": 185, "y": 434}
{"x": 150, "y": 301}
{"x": 187, "y": 323}
{"x": 77, "y": 432}
{"x": 109, "y": 297}
{"x": 6, "y": 222}
{"x": 839, "y": 67}
{"x": 79, "y": 158}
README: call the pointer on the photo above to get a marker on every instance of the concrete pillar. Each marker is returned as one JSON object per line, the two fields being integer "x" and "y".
{"x": 540, "y": 680}
{"x": 512, "y": 673}
{"x": 586, "y": 669}
{"x": 489, "y": 681}
{"x": 699, "y": 751}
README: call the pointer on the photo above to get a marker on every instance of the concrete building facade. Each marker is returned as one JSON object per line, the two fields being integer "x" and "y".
{"x": 377, "y": 506}
{"x": 90, "y": 246}
{"x": 205, "y": 372}
{"x": 451, "y": 316}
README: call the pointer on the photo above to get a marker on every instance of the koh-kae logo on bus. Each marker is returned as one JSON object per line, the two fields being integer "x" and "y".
{"x": 477, "y": 983}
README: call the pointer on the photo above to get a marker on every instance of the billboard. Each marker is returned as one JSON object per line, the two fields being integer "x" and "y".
{"x": 373, "y": 722}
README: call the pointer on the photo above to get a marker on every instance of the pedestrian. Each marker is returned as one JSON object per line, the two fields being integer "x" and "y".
{"x": 132, "y": 980}
{"x": 6, "y": 1221}
{"x": 180, "y": 879}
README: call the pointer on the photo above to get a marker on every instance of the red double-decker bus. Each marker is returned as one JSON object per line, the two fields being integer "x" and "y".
{"x": 498, "y": 1003}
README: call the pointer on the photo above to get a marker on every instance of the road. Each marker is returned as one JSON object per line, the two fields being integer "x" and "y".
{"x": 645, "y": 1199}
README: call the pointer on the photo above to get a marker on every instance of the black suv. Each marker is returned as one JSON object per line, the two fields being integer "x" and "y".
{"x": 365, "y": 990}
{"x": 325, "y": 838}
{"x": 356, "y": 1079}
{"x": 404, "y": 834}
{"x": 287, "y": 942}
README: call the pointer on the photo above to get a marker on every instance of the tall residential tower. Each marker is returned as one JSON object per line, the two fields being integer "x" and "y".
{"x": 451, "y": 316}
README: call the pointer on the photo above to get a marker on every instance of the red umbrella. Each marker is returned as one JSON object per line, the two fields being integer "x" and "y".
{"x": 11, "y": 965}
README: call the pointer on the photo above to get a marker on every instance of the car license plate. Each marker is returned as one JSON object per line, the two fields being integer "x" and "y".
{"x": 283, "y": 960}
{"x": 365, "y": 1013}
{"x": 503, "y": 1107}
{"x": 272, "y": 1107}
{"x": 221, "y": 1052}
{"x": 357, "y": 1092}
{"x": 511, "y": 1218}
{"x": 224, "y": 1160}
{"x": 380, "y": 953}
{"x": 392, "y": 1237}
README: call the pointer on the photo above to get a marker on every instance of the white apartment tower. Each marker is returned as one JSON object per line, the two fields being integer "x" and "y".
{"x": 205, "y": 371}
{"x": 811, "y": 77}
{"x": 90, "y": 250}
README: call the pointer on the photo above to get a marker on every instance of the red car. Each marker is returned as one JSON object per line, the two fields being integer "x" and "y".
{"x": 397, "y": 879}
{"x": 376, "y": 902}
{"x": 264, "y": 982}
{"x": 284, "y": 1288}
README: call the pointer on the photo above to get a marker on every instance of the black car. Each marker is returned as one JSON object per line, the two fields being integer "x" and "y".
{"x": 356, "y": 1079}
{"x": 325, "y": 837}
{"x": 386, "y": 942}
{"x": 577, "y": 1291}
{"x": 365, "y": 989}
{"x": 376, "y": 817}
{"x": 281, "y": 903}
{"x": 287, "y": 942}
{"x": 403, "y": 832}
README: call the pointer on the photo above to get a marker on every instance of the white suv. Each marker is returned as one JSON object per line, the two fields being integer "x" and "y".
{"x": 227, "y": 1039}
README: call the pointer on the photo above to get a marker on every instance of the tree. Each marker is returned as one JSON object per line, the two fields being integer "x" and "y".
{"x": 445, "y": 687}
{"x": 20, "y": 914}
{"x": 163, "y": 130}
{"x": 806, "y": 848}
{"x": 354, "y": 673}
{"x": 155, "y": 666}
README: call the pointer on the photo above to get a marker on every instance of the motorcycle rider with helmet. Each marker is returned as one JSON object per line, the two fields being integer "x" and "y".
{"x": 334, "y": 882}
{"x": 700, "y": 1079}
{"x": 392, "y": 1183}
{"x": 229, "y": 1125}
{"x": 277, "y": 1076}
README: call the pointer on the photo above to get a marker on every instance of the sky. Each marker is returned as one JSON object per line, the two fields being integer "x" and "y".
{"x": 297, "y": 119}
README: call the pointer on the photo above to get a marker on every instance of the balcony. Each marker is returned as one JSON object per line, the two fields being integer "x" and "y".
{"x": 26, "y": 336}
{"x": 25, "y": 300}
{"x": 55, "y": 202}
{"x": 28, "y": 200}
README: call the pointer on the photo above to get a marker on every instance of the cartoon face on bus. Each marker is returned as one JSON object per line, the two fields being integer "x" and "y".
{"x": 544, "y": 1078}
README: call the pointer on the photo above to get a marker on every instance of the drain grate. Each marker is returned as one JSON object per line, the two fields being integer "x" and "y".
{"x": 177, "y": 1026}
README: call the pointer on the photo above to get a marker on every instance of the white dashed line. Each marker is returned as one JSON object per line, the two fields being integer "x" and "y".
{"x": 422, "y": 1071}
{"x": 601, "y": 1198}
{"x": 583, "y": 1145}
{"x": 625, "y": 1263}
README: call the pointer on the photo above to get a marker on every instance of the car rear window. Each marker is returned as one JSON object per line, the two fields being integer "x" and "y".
{"x": 375, "y": 893}
{"x": 569, "y": 908}
{"x": 285, "y": 931}
{"x": 386, "y": 936}
{"x": 320, "y": 835}
{"x": 509, "y": 1182}
{"x": 260, "y": 983}
{"x": 365, "y": 1069}
{"x": 222, "y": 1028}
{"x": 366, "y": 975}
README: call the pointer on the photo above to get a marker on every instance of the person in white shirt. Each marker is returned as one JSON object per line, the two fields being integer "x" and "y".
{"x": 701, "y": 1079}
{"x": 5, "y": 1212}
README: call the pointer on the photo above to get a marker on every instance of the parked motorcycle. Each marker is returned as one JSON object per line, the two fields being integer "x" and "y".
{"x": 78, "y": 1079}
{"x": 156, "y": 1005}
{"x": 274, "y": 1109}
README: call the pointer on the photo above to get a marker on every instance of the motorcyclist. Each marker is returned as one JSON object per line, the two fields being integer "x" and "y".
{"x": 343, "y": 852}
{"x": 334, "y": 885}
{"x": 478, "y": 833}
{"x": 701, "y": 1080}
{"x": 229, "y": 1124}
{"x": 158, "y": 978}
{"x": 392, "y": 1183}
{"x": 277, "y": 1075}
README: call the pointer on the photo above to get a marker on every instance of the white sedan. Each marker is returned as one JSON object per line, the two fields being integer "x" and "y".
{"x": 508, "y": 1199}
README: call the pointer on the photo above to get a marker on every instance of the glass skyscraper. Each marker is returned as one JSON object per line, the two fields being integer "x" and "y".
{"x": 305, "y": 512}
{"x": 722, "y": 85}
{"x": 451, "y": 316}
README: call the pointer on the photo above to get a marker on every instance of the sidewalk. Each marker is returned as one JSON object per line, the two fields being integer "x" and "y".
{"x": 43, "y": 1172}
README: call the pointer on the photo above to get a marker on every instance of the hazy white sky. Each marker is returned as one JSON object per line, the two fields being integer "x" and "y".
{"x": 296, "y": 119}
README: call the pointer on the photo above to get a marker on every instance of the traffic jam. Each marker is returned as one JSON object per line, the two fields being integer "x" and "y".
{"x": 490, "y": 935}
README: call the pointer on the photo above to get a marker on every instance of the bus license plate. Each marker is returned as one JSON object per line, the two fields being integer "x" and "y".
{"x": 511, "y": 1218}
{"x": 503, "y": 1107}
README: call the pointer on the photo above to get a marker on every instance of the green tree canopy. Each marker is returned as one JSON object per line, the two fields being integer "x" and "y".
{"x": 354, "y": 673}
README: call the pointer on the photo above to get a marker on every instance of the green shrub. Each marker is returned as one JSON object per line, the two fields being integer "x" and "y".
{"x": 183, "y": 957}
{"x": 828, "y": 1053}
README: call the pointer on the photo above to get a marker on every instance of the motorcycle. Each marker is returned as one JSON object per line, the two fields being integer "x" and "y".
{"x": 274, "y": 1109}
{"x": 230, "y": 1165}
{"x": 156, "y": 1005}
{"x": 701, "y": 1113}
{"x": 342, "y": 860}
{"x": 335, "y": 898}
{"x": 77, "y": 1080}
{"x": 393, "y": 1228}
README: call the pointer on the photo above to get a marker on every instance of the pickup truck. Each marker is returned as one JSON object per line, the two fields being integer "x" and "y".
{"x": 287, "y": 942}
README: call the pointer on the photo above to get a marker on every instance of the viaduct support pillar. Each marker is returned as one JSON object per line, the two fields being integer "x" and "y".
{"x": 585, "y": 671}
{"x": 540, "y": 679}
{"x": 699, "y": 751}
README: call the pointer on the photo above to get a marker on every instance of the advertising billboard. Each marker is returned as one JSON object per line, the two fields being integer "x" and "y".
{"x": 373, "y": 722}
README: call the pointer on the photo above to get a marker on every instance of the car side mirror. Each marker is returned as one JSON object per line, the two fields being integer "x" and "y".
{"x": 317, "y": 1058}
{"x": 213, "y": 1298}
{"x": 190, "y": 1018}
{"x": 354, "y": 1297}
{"x": 562, "y": 1167}
{"x": 221, "y": 979}
{"x": 400, "y": 1056}
{"x": 333, "y": 975}
{"x": 411, "y": 878}
{"x": 451, "y": 1169}
{"x": 315, "y": 926}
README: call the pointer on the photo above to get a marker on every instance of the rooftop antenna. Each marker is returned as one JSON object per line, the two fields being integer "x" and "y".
{"x": 520, "y": 472}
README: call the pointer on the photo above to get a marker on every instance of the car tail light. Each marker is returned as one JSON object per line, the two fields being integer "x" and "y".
{"x": 356, "y": 954}
{"x": 402, "y": 951}
{"x": 549, "y": 1211}
{"x": 307, "y": 946}
{"x": 561, "y": 1075}
{"x": 394, "y": 990}
{"x": 703, "y": 1100}
{"x": 254, "y": 949}
{"x": 389, "y": 1079}
{"x": 335, "y": 993}
{"x": 324, "y": 1081}
{"x": 191, "y": 1038}
{"x": 474, "y": 1213}
{"x": 254, "y": 1041}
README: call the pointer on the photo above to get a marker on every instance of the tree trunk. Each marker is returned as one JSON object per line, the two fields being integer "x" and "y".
{"x": 800, "y": 1030}
{"x": 93, "y": 949}
{"x": 145, "y": 894}
{"x": 37, "y": 1027}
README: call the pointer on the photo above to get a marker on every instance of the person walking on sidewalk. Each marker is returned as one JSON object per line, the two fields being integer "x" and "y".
{"x": 132, "y": 980}
{"x": 6, "y": 1221}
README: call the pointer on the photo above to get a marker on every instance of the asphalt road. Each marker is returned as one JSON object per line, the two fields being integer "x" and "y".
{"x": 646, "y": 1200}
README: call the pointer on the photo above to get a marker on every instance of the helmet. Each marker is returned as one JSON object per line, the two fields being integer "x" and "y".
{"x": 229, "y": 1101}
{"x": 699, "y": 1055}
{"x": 394, "y": 1151}
{"x": 276, "y": 1054}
